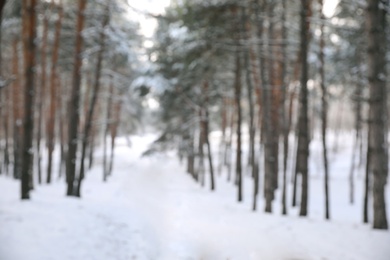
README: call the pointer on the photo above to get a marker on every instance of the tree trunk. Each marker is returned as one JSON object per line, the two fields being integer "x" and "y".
{"x": 2, "y": 3}
{"x": 205, "y": 126}
{"x": 41, "y": 92}
{"x": 266, "y": 117}
{"x": 107, "y": 129}
{"x": 367, "y": 184}
{"x": 257, "y": 89}
{"x": 358, "y": 141}
{"x": 95, "y": 93}
{"x": 4, "y": 98}
{"x": 200, "y": 171}
{"x": 285, "y": 123}
{"x": 29, "y": 33}
{"x": 62, "y": 100}
{"x": 114, "y": 130}
{"x": 252, "y": 129}
{"x": 377, "y": 41}
{"x": 6, "y": 117}
{"x": 53, "y": 92}
{"x": 222, "y": 146}
{"x": 324, "y": 110}
{"x": 16, "y": 111}
{"x": 74, "y": 115}
{"x": 228, "y": 151}
{"x": 237, "y": 98}
{"x": 191, "y": 154}
{"x": 303, "y": 120}
{"x": 274, "y": 83}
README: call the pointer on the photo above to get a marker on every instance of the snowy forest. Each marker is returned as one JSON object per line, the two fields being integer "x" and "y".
{"x": 190, "y": 129}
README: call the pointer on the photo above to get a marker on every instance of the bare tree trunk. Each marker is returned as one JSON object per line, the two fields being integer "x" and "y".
{"x": 274, "y": 84}
{"x": 210, "y": 158}
{"x": 16, "y": 111}
{"x": 190, "y": 154}
{"x": 29, "y": 33}
{"x": 201, "y": 171}
{"x": 41, "y": 93}
{"x": 53, "y": 91}
{"x": 114, "y": 131}
{"x": 62, "y": 100}
{"x": 237, "y": 98}
{"x": 252, "y": 132}
{"x": 114, "y": 126}
{"x": 107, "y": 130}
{"x": 249, "y": 85}
{"x": 257, "y": 89}
{"x": 266, "y": 117}
{"x": 6, "y": 117}
{"x": 74, "y": 115}
{"x": 222, "y": 146}
{"x": 377, "y": 41}
{"x": 358, "y": 141}
{"x": 303, "y": 120}
{"x": 324, "y": 110}
{"x": 92, "y": 142}
{"x": 205, "y": 126}
{"x": 4, "y": 100}
{"x": 367, "y": 183}
{"x": 228, "y": 151}
{"x": 95, "y": 93}
{"x": 105, "y": 160}
{"x": 285, "y": 124}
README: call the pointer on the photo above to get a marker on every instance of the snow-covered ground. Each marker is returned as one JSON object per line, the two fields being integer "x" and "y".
{"x": 151, "y": 209}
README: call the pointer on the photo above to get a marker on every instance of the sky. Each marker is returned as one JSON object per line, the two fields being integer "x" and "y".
{"x": 155, "y": 7}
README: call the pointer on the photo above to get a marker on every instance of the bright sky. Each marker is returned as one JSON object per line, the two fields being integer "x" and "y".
{"x": 155, "y": 7}
{"x": 330, "y": 6}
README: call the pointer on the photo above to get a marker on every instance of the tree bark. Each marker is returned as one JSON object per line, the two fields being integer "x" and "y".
{"x": 303, "y": 120}
{"x": 41, "y": 92}
{"x": 107, "y": 130}
{"x": 269, "y": 161}
{"x": 367, "y": 184}
{"x": 285, "y": 124}
{"x": 29, "y": 33}
{"x": 205, "y": 126}
{"x": 324, "y": 111}
{"x": 237, "y": 98}
{"x": 274, "y": 83}
{"x": 252, "y": 130}
{"x": 16, "y": 111}
{"x": 74, "y": 115}
{"x": 376, "y": 63}
{"x": 91, "y": 109}
{"x": 53, "y": 91}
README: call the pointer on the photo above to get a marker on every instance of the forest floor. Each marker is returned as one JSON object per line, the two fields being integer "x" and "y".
{"x": 151, "y": 209}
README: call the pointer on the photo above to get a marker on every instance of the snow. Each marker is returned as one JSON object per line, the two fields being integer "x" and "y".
{"x": 151, "y": 209}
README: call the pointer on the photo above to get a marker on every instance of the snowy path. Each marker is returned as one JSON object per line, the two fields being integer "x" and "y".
{"x": 149, "y": 209}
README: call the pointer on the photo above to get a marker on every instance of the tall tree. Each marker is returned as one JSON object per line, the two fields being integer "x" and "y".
{"x": 16, "y": 110}
{"x": 324, "y": 111}
{"x": 303, "y": 119}
{"x": 205, "y": 125}
{"x": 95, "y": 92}
{"x": 53, "y": 91}
{"x": 237, "y": 99}
{"x": 29, "y": 33}
{"x": 284, "y": 114}
{"x": 41, "y": 89}
{"x": 74, "y": 104}
{"x": 376, "y": 13}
